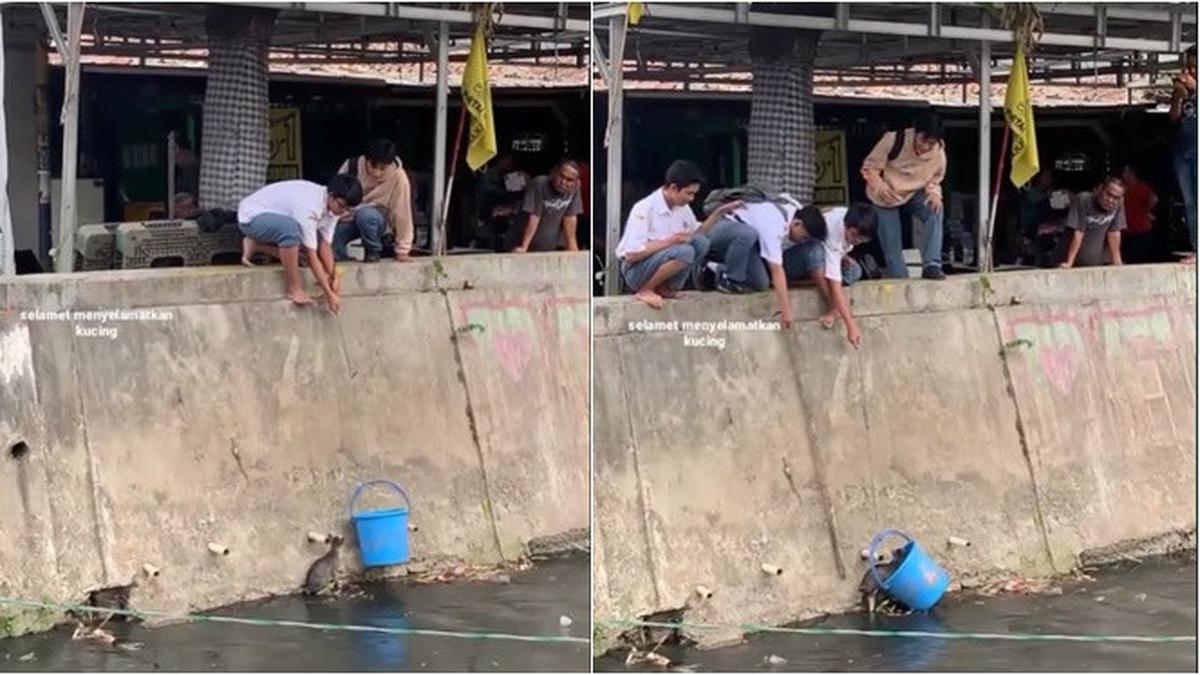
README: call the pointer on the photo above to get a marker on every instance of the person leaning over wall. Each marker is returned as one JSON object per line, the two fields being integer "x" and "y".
{"x": 828, "y": 264}
{"x": 904, "y": 179}
{"x": 551, "y": 207}
{"x": 1097, "y": 218}
{"x": 386, "y": 209}
{"x": 282, "y": 217}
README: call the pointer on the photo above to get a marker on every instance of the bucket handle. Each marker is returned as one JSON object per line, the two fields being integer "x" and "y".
{"x": 363, "y": 486}
{"x": 871, "y": 553}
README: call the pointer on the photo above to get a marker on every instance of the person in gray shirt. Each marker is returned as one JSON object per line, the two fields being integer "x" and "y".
{"x": 1097, "y": 218}
{"x": 552, "y": 205}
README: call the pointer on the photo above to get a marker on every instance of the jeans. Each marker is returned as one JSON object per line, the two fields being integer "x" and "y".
{"x": 692, "y": 255}
{"x": 272, "y": 228}
{"x": 369, "y": 223}
{"x": 1185, "y": 172}
{"x": 736, "y": 245}
{"x": 801, "y": 260}
{"x": 890, "y": 234}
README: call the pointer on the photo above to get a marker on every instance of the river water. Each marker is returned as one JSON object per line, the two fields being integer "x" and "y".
{"x": 531, "y": 604}
{"x": 1151, "y": 599}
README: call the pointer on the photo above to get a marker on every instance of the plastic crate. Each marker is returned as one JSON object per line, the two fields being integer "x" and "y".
{"x": 159, "y": 243}
{"x": 96, "y": 247}
{"x": 221, "y": 247}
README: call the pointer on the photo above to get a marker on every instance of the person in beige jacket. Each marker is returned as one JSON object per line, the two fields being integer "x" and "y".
{"x": 904, "y": 178}
{"x": 386, "y": 206}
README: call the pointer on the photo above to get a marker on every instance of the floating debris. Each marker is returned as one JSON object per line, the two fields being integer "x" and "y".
{"x": 565, "y": 621}
{"x": 1140, "y": 597}
{"x": 639, "y": 658}
{"x": 97, "y": 634}
{"x": 774, "y": 660}
{"x": 28, "y": 657}
{"x": 423, "y": 574}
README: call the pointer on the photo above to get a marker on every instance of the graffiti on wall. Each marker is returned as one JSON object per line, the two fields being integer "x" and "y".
{"x": 1058, "y": 347}
{"x": 514, "y": 331}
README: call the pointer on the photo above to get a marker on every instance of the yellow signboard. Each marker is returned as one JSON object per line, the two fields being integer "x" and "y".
{"x": 833, "y": 184}
{"x": 284, "y": 161}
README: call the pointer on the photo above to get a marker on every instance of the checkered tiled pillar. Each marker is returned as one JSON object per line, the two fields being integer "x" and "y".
{"x": 234, "y": 135}
{"x": 782, "y": 134}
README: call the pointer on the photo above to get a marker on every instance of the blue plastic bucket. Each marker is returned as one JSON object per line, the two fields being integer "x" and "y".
{"x": 382, "y": 533}
{"x": 917, "y": 581}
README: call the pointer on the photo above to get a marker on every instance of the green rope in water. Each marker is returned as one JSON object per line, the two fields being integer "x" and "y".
{"x": 214, "y": 618}
{"x": 1020, "y": 637}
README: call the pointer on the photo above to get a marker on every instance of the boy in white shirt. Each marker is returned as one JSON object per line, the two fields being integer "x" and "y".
{"x": 663, "y": 243}
{"x": 827, "y": 263}
{"x": 750, "y": 240}
{"x": 279, "y": 218}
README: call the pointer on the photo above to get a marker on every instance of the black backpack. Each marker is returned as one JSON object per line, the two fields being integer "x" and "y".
{"x": 750, "y": 194}
{"x": 898, "y": 145}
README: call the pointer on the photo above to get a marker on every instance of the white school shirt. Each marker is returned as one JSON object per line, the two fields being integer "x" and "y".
{"x": 299, "y": 200}
{"x": 835, "y": 243}
{"x": 651, "y": 219}
{"x": 772, "y": 225}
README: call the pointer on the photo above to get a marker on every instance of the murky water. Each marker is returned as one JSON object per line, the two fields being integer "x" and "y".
{"x": 1155, "y": 598}
{"x": 531, "y": 604}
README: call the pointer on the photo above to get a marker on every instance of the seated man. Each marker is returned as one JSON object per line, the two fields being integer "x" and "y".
{"x": 750, "y": 240}
{"x": 281, "y": 217}
{"x": 386, "y": 207}
{"x": 1097, "y": 217}
{"x": 827, "y": 262}
{"x": 552, "y": 206}
{"x": 663, "y": 244}
{"x": 904, "y": 178}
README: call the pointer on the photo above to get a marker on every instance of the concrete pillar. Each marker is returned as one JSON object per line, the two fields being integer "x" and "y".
{"x": 983, "y": 240}
{"x": 437, "y": 228}
{"x": 616, "y": 122}
{"x": 20, "y": 58}
{"x": 7, "y": 264}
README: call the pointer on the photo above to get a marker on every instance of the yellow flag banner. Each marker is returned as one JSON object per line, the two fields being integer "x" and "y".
{"x": 477, "y": 97}
{"x": 634, "y": 11}
{"x": 1018, "y": 112}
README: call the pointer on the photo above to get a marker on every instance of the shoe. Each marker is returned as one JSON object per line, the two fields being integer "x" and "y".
{"x": 706, "y": 276}
{"x": 371, "y": 257}
{"x": 933, "y": 272}
{"x": 727, "y": 285}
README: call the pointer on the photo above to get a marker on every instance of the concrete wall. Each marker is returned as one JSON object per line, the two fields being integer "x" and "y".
{"x": 246, "y": 421}
{"x": 1036, "y": 414}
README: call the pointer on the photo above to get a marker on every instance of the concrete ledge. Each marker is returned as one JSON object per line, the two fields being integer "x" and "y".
{"x": 211, "y": 285}
{"x": 885, "y": 297}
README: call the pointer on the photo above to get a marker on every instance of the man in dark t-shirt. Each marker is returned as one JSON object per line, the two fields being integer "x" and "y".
{"x": 1098, "y": 218}
{"x": 552, "y": 206}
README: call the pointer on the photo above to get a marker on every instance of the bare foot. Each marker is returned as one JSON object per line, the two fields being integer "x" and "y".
{"x": 828, "y": 319}
{"x": 650, "y": 298}
{"x": 299, "y": 297}
{"x": 1189, "y": 259}
{"x": 668, "y": 293}
{"x": 248, "y": 250}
